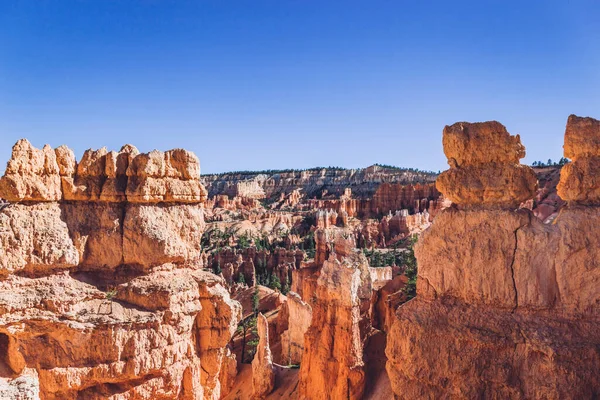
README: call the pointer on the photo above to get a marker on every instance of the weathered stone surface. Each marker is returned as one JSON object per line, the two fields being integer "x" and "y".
{"x": 100, "y": 175}
{"x": 115, "y": 186}
{"x": 481, "y": 143}
{"x": 96, "y": 230}
{"x": 506, "y": 307}
{"x": 172, "y": 176}
{"x": 67, "y": 164}
{"x": 485, "y": 241}
{"x": 24, "y": 387}
{"x": 484, "y": 167}
{"x": 31, "y": 174}
{"x": 386, "y": 301}
{"x": 263, "y": 373}
{"x": 500, "y": 185}
{"x": 216, "y": 324}
{"x": 78, "y": 318}
{"x": 299, "y": 317}
{"x": 150, "y": 341}
{"x": 582, "y": 138}
{"x": 579, "y": 180}
{"x": 511, "y": 293}
{"x": 452, "y": 350}
{"x": 86, "y": 184}
{"x": 332, "y": 362}
{"x": 35, "y": 238}
{"x": 158, "y": 234}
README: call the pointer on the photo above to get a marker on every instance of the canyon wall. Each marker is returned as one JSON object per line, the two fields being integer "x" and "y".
{"x": 102, "y": 295}
{"x": 507, "y": 307}
{"x": 313, "y": 182}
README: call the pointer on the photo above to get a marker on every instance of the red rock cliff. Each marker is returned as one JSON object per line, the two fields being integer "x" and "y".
{"x": 507, "y": 307}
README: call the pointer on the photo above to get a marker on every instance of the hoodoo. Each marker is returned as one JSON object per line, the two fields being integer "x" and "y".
{"x": 507, "y": 307}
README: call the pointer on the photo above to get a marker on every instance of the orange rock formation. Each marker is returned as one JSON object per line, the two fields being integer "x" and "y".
{"x": 263, "y": 373}
{"x": 507, "y": 307}
{"x": 484, "y": 167}
{"x": 332, "y": 363}
{"x": 102, "y": 295}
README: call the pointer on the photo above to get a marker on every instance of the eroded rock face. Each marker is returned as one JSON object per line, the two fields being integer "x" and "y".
{"x": 158, "y": 234}
{"x": 484, "y": 168}
{"x": 481, "y": 143}
{"x": 579, "y": 180}
{"x": 582, "y": 137}
{"x": 298, "y": 319}
{"x": 35, "y": 237}
{"x": 172, "y": 176}
{"x": 216, "y": 325}
{"x": 506, "y": 306}
{"x": 332, "y": 363}
{"x": 263, "y": 373}
{"x": 31, "y": 174}
{"x": 103, "y": 298}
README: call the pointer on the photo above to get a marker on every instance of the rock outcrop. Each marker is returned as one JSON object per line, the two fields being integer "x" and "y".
{"x": 579, "y": 179}
{"x": 263, "y": 373}
{"x": 332, "y": 363}
{"x": 31, "y": 174}
{"x": 507, "y": 306}
{"x": 102, "y": 295}
{"x": 484, "y": 167}
{"x": 298, "y": 315}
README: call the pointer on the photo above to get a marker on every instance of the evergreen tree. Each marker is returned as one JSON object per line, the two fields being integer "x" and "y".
{"x": 255, "y": 301}
{"x": 241, "y": 278}
{"x": 275, "y": 283}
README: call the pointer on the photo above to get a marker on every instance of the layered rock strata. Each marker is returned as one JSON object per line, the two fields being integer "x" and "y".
{"x": 315, "y": 181}
{"x": 484, "y": 167}
{"x": 507, "y": 306}
{"x": 101, "y": 291}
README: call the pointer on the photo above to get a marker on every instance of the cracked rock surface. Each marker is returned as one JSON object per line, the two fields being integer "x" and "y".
{"x": 507, "y": 307}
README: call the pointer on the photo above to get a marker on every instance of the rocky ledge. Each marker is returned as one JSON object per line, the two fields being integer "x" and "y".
{"x": 102, "y": 295}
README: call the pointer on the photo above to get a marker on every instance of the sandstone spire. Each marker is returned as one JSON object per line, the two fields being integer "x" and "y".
{"x": 332, "y": 362}
{"x": 506, "y": 306}
{"x": 263, "y": 373}
{"x": 31, "y": 174}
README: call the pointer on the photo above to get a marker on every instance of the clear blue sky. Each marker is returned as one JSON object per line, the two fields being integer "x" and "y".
{"x": 291, "y": 84}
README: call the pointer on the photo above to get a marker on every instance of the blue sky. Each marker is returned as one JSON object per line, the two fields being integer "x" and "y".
{"x": 293, "y": 84}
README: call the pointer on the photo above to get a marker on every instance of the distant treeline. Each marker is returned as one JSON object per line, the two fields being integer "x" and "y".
{"x": 551, "y": 163}
{"x": 331, "y": 168}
